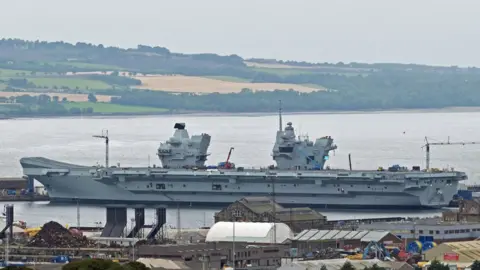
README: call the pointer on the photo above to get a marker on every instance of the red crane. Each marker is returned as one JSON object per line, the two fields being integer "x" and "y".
{"x": 229, "y": 165}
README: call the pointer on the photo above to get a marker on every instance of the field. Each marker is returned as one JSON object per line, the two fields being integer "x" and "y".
{"x": 285, "y": 70}
{"x": 100, "y": 107}
{"x": 194, "y": 84}
{"x": 227, "y": 78}
{"x": 69, "y": 82}
{"x": 266, "y": 65}
{"x": 89, "y": 65}
{"x": 310, "y": 71}
{"x": 70, "y": 97}
{"x": 6, "y": 73}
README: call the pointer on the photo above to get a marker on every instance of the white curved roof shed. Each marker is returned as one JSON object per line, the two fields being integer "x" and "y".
{"x": 250, "y": 232}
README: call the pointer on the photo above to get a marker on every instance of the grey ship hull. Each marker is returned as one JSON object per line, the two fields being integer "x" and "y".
{"x": 320, "y": 189}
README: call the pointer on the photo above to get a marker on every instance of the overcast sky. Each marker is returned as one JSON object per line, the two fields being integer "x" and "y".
{"x": 437, "y": 32}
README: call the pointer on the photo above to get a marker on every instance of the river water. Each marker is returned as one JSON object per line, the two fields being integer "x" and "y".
{"x": 373, "y": 139}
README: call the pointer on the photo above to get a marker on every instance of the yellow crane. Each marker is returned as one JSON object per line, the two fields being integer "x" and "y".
{"x": 448, "y": 142}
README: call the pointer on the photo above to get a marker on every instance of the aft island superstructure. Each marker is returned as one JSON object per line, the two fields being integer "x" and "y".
{"x": 298, "y": 178}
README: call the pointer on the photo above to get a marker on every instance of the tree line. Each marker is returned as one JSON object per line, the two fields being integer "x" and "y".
{"x": 26, "y": 105}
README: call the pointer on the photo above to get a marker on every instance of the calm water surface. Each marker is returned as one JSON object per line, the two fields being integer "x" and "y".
{"x": 373, "y": 139}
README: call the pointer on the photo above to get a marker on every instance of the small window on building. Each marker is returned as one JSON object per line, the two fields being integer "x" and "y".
{"x": 160, "y": 186}
{"x": 437, "y": 232}
{"x": 412, "y": 231}
{"x": 420, "y": 231}
{"x": 457, "y": 231}
{"x": 430, "y": 232}
{"x": 216, "y": 187}
{"x": 445, "y": 232}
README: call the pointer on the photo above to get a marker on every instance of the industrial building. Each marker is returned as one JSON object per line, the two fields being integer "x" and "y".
{"x": 455, "y": 252}
{"x": 13, "y": 183}
{"x": 261, "y": 209}
{"x": 437, "y": 229}
{"x": 215, "y": 255}
{"x": 310, "y": 240}
{"x": 468, "y": 211}
{"x": 336, "y": 264}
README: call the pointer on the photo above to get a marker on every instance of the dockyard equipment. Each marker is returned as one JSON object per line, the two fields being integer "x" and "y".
{"x": 104, "y": 136}
{"x": 448, "y": 142}
{"x": 376, "y": 249}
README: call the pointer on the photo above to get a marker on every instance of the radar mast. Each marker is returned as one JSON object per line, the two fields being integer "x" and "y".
{"x": 280, "y": 128}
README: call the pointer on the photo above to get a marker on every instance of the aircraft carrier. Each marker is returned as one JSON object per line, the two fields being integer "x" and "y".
{"x": 299, "y": 178}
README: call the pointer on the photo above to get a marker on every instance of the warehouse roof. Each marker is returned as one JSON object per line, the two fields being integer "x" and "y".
{"x": 261, "y": 205}
{"x": 375, "y": 236}
{"x": 467, "y": 251}
{"x": 333, "y": 264}
{"x": 316, "y": 235}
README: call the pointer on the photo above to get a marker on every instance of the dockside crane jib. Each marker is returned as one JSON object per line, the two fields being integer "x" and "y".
{"x": 448, "y": 142}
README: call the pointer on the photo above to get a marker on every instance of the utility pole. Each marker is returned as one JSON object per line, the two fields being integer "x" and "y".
{"x": 178, "y": 222}
{"x": 7, "y": 239}
{"x": 274, "y": 212}
{"x": 133, "y": 250}
{"x": 99, "y": 228}
{"x": 104, "y": 136}
{"x": 427, "y": 148}
{"x": 233, "y": 240}
{"x": 78, "y": 214}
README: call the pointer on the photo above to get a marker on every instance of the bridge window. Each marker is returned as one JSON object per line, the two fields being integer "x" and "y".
{"x": 288, "y": 149}
{"x": 160, "y": 186}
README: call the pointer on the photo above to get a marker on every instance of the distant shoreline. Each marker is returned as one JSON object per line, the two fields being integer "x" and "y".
{"x": 201, "y": 113}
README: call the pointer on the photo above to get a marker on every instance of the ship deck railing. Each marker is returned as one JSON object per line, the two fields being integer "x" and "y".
{"x": 398, "y": 176}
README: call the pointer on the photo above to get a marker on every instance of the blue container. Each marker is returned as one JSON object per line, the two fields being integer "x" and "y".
{"x": 61, "y": 259}
{"x": 465, "y": 194}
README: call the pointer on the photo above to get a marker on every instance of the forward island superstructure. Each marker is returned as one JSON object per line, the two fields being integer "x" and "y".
{"x": 298, "y": 178}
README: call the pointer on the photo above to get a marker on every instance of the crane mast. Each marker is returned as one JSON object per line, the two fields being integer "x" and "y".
{"x": 227, "y": 163}
{"x": 104, "y": 136}
{"x": 448, "y": 142}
